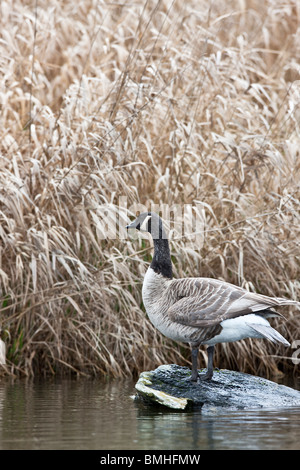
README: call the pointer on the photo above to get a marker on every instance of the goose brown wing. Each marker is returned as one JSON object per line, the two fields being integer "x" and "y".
{"x": 204, "y": 302}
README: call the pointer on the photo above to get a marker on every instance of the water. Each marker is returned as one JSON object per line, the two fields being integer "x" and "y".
{"x": 91, "y": 414}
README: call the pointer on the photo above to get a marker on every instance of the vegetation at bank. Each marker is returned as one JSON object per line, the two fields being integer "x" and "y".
{"x": 110, "y": 106}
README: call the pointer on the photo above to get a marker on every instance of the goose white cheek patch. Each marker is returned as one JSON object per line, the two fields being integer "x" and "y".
{"x": 144, "y": 225}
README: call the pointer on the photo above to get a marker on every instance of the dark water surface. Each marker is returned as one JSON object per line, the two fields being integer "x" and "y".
{"x": 91, "y": 414}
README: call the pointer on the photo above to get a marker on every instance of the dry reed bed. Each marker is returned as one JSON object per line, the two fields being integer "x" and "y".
{"x": 182, "y": 104}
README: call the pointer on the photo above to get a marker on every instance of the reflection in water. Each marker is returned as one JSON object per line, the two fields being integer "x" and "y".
{"x": 256, "y": 429}
{"x": 90, "y": 414}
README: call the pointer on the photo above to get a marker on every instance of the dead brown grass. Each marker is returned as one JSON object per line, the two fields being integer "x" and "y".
{"x": 159, "y": 102}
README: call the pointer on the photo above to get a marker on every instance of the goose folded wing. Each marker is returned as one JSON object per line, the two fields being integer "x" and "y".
{"x": 205, "y": 302}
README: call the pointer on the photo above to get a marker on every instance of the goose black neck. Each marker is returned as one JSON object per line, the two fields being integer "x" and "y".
{"x": 161, "y": 261}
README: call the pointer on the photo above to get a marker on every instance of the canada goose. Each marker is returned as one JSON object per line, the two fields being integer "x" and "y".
{"x": 201, "y": 311}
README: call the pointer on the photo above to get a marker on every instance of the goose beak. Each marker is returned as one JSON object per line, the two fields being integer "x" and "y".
{"x": 132, "y": 225}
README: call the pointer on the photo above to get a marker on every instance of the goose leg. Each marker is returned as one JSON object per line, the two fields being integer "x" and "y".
{"x": 208, "y": 375}
{"x": 195, "y": 350}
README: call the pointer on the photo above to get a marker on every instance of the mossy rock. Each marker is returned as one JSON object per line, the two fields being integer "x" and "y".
{"x": 170, "y": 386}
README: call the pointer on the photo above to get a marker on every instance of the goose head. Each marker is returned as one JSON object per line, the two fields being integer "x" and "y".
{"x": 149, "y": 222}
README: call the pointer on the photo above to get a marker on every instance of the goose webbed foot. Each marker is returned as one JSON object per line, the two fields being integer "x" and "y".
{"x": 194, "y": 377}
{"x": 206, "y": 377}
